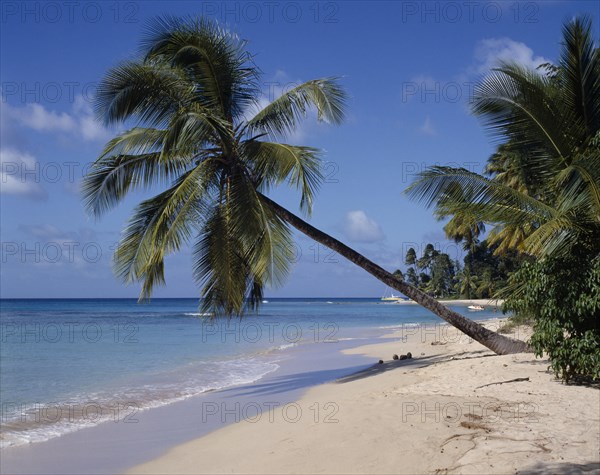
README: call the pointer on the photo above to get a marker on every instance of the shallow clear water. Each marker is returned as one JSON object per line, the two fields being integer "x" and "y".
{"x": 66, "y": 364}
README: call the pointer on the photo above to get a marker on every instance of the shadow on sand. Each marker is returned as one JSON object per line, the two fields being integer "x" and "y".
{"x": 304, "y": 380}
{"x": 418, "y": 362}
{"x": 561, "y": 468}
{"x": 291, "y": 382}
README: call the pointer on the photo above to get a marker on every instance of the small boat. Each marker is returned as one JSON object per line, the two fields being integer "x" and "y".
{"x": 476, "y": 308}
{"x": 392, "y": 298}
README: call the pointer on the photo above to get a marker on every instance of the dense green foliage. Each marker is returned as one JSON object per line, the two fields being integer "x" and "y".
{"x": 489, "y": 270}
{"x": 483, "y": 273}
{"x": 563, "y": 296}
{"x": 542, "y": 198}
{"x": 434, "y": 272}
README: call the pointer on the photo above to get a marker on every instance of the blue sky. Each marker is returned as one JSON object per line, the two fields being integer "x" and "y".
{"x": 408, "y": 68}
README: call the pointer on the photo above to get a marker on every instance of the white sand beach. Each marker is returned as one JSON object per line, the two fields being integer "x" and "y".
{"x": 443, "y": 411}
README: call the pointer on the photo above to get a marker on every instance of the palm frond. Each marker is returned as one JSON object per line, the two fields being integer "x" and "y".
{"x": 556, "y": 236}
{"x": 160, "y": 226}
{"x": 219, "y": 267}
{"x": 135, "y": 141}
{"x": 195, "y": 129}
{"x": 266, "y": 239}
{"x": 283, "y": 115}
{"x": 517, "y": 104}
{"x": 581, "y": 181}
{"x": 273, "y": 162}
{"x": 215, "y": 60}
{"x": 148, "y": 93}
{"x": 454, "y": 188}
{"x": 242, "y": 248}
{"x": 580, "y": 69}
{"x": 510, "y": 236}
{"x": 463, "y": 226}
{"x": 128, "y": 161}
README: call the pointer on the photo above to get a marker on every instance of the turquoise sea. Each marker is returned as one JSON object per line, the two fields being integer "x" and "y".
{"x": 66, "y": 364}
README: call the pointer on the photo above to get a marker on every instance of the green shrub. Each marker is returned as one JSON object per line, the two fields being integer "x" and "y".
{"x": 562, "y": 295}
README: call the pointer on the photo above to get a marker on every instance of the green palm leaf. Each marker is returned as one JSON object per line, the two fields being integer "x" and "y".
{"x": 580, "y": 64}
{"x": 515, "y": 104}
{"x": 283, "y": 115}
{"x": 274, "y": 163}
{"x": 544, "y": 194}
{"x": 162, "y": 225}
{"x": 150, "y": 93}
{"x": 224, "y": 77}
{"x": 130, "y": 160}
{"x": 458, "y": 187}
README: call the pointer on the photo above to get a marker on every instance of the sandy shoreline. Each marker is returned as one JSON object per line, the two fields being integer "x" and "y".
{"x": 483, "y": 302}
{"x": 440, "y": 412}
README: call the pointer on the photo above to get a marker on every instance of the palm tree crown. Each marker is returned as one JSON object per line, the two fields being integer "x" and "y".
{"x": 187, "y": 98}
{"x": 544, "y": 197}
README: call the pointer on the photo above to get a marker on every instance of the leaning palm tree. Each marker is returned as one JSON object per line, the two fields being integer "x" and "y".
{"x": 188, "y": 100}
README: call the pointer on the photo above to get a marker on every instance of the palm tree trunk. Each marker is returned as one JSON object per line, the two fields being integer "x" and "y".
{"x": 499, "y": 344}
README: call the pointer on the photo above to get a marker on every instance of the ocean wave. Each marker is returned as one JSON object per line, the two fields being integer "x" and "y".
{"x": 400, "y": 326}
{"x": 198, "y": 314}
{"x": 37, "y": 422}
{"x": 286, "y": 346}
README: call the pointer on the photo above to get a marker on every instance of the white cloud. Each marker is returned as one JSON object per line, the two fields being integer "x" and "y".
{"x": 89, "y": 128}
{"x": 490, "y": 52}
{"x": 79, "y": 122}
{"x": 360, "y": 228}
{"x": 427, "y": 128}
{"x": 18, "y": 174}
{"x": 36, "y": 117}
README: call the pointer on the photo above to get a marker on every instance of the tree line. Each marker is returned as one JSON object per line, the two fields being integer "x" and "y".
{"x": 482, "y": 273}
